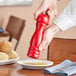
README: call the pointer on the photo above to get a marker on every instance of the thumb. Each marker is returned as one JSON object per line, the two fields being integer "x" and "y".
{"x": 39, "y": 11}
{"x": 43, "y": 45}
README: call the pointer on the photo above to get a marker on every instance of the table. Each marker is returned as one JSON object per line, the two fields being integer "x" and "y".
{"x": 16, "y": 70}
{"x": 4, "y": 34}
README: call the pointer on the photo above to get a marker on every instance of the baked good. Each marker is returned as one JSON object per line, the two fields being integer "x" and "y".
{"x": 5, "y": 46}
{"x": 3, "y": 56}
{"x": 12, "y": 54}
{"x": 6, "y": 51}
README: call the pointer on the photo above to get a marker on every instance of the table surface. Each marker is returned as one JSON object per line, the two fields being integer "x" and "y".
{"x": 17, "y": 70}
{"x": 4, "y": 34}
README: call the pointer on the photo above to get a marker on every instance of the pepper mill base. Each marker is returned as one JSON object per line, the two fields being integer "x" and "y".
{"x": 33, "y": 53}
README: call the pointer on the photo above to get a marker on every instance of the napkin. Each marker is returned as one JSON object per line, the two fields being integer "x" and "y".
{"x": 66, "y": 68}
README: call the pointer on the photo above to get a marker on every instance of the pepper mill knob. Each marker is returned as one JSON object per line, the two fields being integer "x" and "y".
{"x": 42, "y": 18}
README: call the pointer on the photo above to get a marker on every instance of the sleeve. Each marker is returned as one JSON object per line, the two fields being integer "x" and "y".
{"x": 67, "y": 18}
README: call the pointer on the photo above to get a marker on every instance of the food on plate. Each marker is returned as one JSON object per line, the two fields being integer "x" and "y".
{"x": 36, "y": 63}
{"x": 5, "y": 46}
{"x": 6, "y": 51}
{"x": 3, "y": 56}
{"x": 13, "y": 54}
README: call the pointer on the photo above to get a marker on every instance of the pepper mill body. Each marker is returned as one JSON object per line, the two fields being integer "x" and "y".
{"x": 41, "y": 22}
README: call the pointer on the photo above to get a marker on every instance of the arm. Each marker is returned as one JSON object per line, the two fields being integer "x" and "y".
{"x": 67, "y": 19}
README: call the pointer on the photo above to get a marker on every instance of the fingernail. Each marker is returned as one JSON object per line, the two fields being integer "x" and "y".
{"x": 40, "y": 48}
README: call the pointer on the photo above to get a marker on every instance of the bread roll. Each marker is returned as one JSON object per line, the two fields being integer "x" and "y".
{"x": 3, "y": 56}
{"x": 5, "y": 46}
{"x": 12, "y": 54}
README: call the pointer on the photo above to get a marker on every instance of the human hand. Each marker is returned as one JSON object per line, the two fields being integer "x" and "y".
{"x": 48, "y": 36}
{"x": 49, "y": 7}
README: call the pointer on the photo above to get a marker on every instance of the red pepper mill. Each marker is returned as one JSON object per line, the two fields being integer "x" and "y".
{"x": 42, "y": 21}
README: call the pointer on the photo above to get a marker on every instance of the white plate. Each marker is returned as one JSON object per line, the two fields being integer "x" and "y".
{"x": 10, "y": 61}
{"x": 30, "y": 66}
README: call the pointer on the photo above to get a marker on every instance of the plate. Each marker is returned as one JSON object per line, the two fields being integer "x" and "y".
{"x": 26, "y": 64}
{"x": 10, "y": 61}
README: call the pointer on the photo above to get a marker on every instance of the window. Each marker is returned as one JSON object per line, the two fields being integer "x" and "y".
{"x": 15, "y": 2}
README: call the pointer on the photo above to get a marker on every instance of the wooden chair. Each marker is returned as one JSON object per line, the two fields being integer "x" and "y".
{"x": 14, "y": 28}
{"x": 61, "y": 49}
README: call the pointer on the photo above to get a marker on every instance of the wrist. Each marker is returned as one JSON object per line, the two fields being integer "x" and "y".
{"x": 55, "y": 28}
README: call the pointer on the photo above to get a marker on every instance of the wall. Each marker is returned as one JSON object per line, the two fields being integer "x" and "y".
{"x": 26, "y": 12}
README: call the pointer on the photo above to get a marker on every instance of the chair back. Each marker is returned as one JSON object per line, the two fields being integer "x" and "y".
{"x": 62, "y": 49}
{"x": 15, "y": 27}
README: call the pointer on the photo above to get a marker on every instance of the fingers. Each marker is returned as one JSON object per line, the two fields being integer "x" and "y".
{"x": 43, "y": 45}
{"x": 46, "y": 39}
{"x": 45, "y": 42}
{"x": 39, "y": 11}
{"x": 52, "y": 12}
{"x": 48, "y": 36}
{"x": 51, "y": 16}
{"x": 53, "y": 9}
{"x": 43, "y": 7}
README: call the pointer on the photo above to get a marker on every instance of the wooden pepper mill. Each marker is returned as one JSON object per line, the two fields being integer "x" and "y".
{"x": 41, "y": 22}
